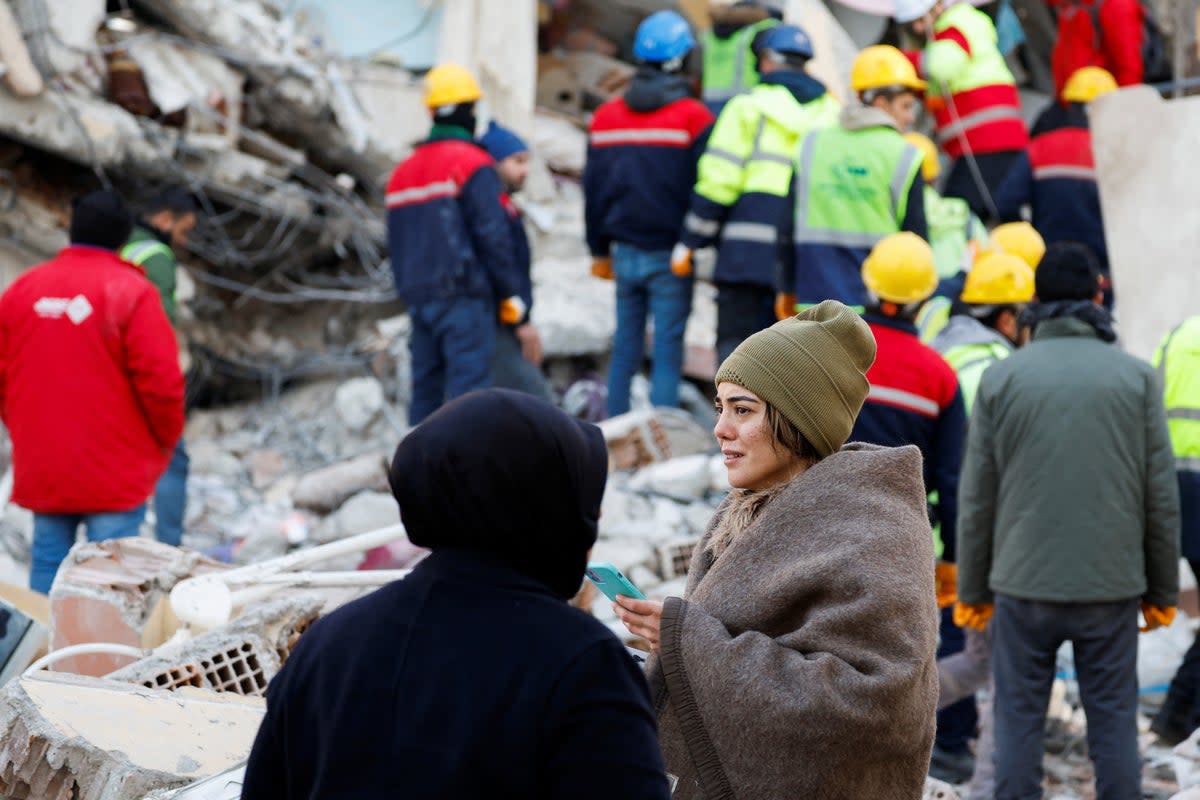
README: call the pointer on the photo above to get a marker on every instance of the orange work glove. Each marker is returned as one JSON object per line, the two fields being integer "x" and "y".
{"x": 785, "y": 306}
{"x": 681, "y": 260}
{"x": 945, "y": 579}
{"x": 1156, "y": 617}
{"x": 935, "y": 103}
{"x": 975, "y": 617}
{"x": 602, "y": 268}
{"x": 512, "y": 310}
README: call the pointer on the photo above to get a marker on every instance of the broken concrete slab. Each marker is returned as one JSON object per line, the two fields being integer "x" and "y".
{"x": 641, "y": 438}
{"x": 241, "y": 657}
{"x": 326, "y": 489}
{"x": 684, "y": 478}
{"x": 362, "y": 513}
{"x": 115, "y": 592}
{"x": 75, "y": 738}
{"x": 359, "y": 401}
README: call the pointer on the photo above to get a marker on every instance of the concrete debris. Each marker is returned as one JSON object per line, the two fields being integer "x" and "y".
{"x": 115, "y": 592}
{"x": 75, "y": 738}
{"x": 359, "y": 401}
{"x": 366, "y": 511}
{"x": 937, "y": 790}
{"x": 685, "y": 478}
{"x": 326, "y": 489}
{"x": 240, "y": 657}
{"x": 641, "y": 438}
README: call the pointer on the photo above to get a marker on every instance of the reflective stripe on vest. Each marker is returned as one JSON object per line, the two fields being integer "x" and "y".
{"x": 641, "y": 136}
{"x": 140, "y": 252}
{"x": 964, "y": 125}
{"x": 420, "y": 194}
{"x": 1064, "y": 171}
{"x": 723, "y": 80}
{"x": 885, "y": 222}
{"x": 905, "y": 400}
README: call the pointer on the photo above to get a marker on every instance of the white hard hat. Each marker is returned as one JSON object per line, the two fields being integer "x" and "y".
{"x": 909, "y": 10}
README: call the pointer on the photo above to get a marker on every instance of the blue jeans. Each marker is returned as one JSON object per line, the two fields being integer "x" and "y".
{"x": 645, "y": 284}
{"x": 451, "y": 348}
{"x": 170, "y": 498}
{"x": 54, "y": 534}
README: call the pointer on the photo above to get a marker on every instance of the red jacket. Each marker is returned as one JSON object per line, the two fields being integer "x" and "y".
{"x": 1117, "y": 46}
{"x": 90, "y": 387}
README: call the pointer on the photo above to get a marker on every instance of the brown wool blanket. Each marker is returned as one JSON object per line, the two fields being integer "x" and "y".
{"x": 800, "y": 663}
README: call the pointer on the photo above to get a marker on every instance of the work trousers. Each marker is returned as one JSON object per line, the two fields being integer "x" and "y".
{"x": 647, "y": 287}
{"x": 743, "y": 309}
{"x": 1026, "y": 637}
{"x": 451, "y": 349}
{"x": 993, "y": 169}
{"x": 1180, "y": 714}
{"x": 170, "y": 498}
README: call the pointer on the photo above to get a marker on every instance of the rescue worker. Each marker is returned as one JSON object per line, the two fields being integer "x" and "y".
{"x": 450, "y": 248}
{"x": 972, "y": 96}
{"x": 855, "y": 183}
{"x": 744, "y": 177}
{"x": 1178, "y": 362}
{"x": 984, "y": 329}
{"x": 517, "y": 363}
{"x": 1056, "y": 176}
{"x": 731, "y": 47}
{"x": 642, "y": 154}
{"x": 165, "y": 225}
{"x": 915, "y": 399}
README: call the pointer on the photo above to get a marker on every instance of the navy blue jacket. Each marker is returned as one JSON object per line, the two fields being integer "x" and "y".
{"x": 1056, "y": 177}
{"x": 641, "y": 164}
{"x": 485, "y": 684}
{"x": 522, "y": 254}
{"x": 448, "y": 236}
{"x": 915, "y": 399}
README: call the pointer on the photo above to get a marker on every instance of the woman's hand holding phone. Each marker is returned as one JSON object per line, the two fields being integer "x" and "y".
{"x": 641, "y": 617}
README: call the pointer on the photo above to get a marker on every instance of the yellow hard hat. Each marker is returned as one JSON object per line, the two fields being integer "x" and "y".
{"x": 1020, "y": 239}
{"x": 1088, "y": 83}
{"x": 882, "y": 65}
{"x": 931, "y": 167}
{"x": 449, "y": 85}
{"x": 998, "y": 279}
{"x": 900, "y": 269}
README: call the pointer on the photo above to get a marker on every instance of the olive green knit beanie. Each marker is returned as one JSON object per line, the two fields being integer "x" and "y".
{"x": 812, "y": 368}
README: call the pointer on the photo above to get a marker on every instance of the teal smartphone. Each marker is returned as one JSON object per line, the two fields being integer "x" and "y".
{"x": 609, "y": 580}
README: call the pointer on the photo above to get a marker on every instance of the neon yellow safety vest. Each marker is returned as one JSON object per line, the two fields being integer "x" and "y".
{"x": 852, "y": 185}
{"x": 933, "y": 317}
{"x": 1178, "y": 362}
{"x": 952, "y": 227}
{"x": 730, "y": 66}
{"x": 969, "y": 362}
{"x": 750, "y": 150}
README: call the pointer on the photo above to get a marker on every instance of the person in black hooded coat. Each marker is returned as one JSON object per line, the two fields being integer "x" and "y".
{"x": 472, "y": 677}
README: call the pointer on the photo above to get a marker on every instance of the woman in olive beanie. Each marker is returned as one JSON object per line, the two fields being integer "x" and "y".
{"x": 800, "y": 660}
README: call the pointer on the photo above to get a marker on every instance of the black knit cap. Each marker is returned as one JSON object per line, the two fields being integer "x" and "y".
{"x": 101, "y": 219}
{"x": 1068, "y": 271}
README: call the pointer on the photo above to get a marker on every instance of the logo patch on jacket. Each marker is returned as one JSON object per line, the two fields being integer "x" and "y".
{"x": 76, "y": 308}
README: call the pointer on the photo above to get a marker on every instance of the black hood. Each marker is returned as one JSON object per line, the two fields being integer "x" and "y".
{"x": 507, "y": 476}
{"x": 651, "y": 89}
{"x": 804, "y": 87}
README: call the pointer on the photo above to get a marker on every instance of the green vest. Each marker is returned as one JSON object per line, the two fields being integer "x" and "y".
{"x": 730, "y": 66}
{"x": 144, "y": 250}
{"x": 969, "y": 362}
{"x": 1178, "y": 363}
{"x": 952, "y": 227}
{"x": 942, "y": 61}
{"x": 852, "y": 186}
{"x": 933, "y": 317}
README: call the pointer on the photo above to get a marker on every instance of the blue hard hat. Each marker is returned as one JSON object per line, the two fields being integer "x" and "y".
{"x": 788, "y": 40}
{"x": 662, "y": 36}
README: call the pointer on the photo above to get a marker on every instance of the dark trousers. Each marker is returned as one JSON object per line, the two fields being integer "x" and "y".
{"x": 451, "y": 348}
{"x": 743, "y": 310}
{"x": 511, "y": 370}
{"x": 1026, "y": 636}
{"x": 956, "y": 722}
{"x": 1180, "y": 714}
{"x": 961, "y": 181}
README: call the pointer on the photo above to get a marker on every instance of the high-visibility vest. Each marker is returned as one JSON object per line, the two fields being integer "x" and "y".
{"x": 138, "y": 253}
{"x": 952, "y": 228}
{"x": 984, "y": 108}
{"x": 969, "y": 362}
{"x": 730, "y": 66}
{"x": 852, "y": 186}
{"x": 933, "y": 317}
{"x": 1178, "y": 362}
